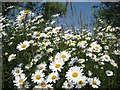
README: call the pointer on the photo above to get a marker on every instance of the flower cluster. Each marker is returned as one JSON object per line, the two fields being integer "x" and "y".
{"x": 49, "y": 57}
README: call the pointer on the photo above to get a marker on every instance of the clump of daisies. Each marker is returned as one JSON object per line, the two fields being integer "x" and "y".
{"x": 52, "y": 55}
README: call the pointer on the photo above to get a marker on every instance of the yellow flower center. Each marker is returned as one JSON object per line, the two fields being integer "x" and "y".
{"x": 21, "y": 80}
{"x": 37, "y": 35}
{"x": 68, "y": 36}
{"x": 23, "y": 46}
{"x": 29, "y": 65}
{"x": 56, "y": 30}
{"x": 117, "y": 51}
{"x": 53, "y": 59}
{"x": 80, "y": 60}
{"x": 80, "y": 45}
{"x": 106, "y": 57}
{"x": 43, "y": 84}
{"x": 94, "y": 82}
{"x": 53, "y": 77}
{"x": 92, "y": 56}
{"x": 68, "y": 85}
{"x": 75, "y": 74}
{"x": 38, "y": 57}
{"x": 0, "y": 28}
{"x": 21, "y": 17}
{"x": 97, "y": 47}
{"x": 43, "y": 45}
{"x": 50, "y": 50}
{"x": 12, "y": 57}
{"x": 57, "y": 65}
{"x": 17, "y": 71}
{"x": 38, "y": 77}
{"x": 48, "y": 34}
{"x": 80, "y": 82}
{"x": 26, "y": 11}
{"x": 63, "y": 56}
{"x": 41, "y": 68}
{"x": 41, "y": 19}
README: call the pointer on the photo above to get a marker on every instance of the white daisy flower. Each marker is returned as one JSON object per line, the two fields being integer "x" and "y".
{"x": 67, "y": 36}
{"x": 63, "y": 55}
{"x": 94, "y": 82}
{"x": 20, "y": 17}
{"x": 117, "y": 52}
{"x": 109, "y": 73}
{"x": 56, "y": 29}
{"x": 29, "y": 65}
{"x": 68, "y": 85}
{"x": 48, "y": 28}
{"x": 90, "y": 73}
{"x": 50, "y": 50}
{"x": 11, "y": 57}
{"x": 52, "y": 22}
{"x": 53, "y": 77}
{"x": 38, "y": 56}
{"x": 56, "y": 65}
{"x": 24, "y": 85}
{"x": 81, "y": 60}
{"x": 74, "y": 73}
{"x": 23, "y": 46}
{"x": 19, "y": 80}
{"x": 41, "y": 66}
{"x": 81, "y": 82}
{"x": 38, "y": 77}
{"x": 106, "y": 58}
{"x": 37, "y": 35}
{"x": 56, "y": 15}
{"x": 17, "y": 71}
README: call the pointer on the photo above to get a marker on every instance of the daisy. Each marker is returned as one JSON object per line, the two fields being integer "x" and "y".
{"x": 56, "y": 65}
{"x": 43, "y": 84}
{"x": 56, "y": 29}
{"x": 51, "y": 58}
{"x": 109, "y": 73}
{"x": 68, "y": 85}
{"x": 37, "y": 35}
{"x": 23, "y": 46}
{"x": 52, "y": 22}
{"x": 117, "y": 52}
{"x": 38, "y": 56}
{"x": 20, "y": 17}
{"x": 81, "y": 82}
{"x": 41, "y": 66}
{"x": 34, "y": 61}
{"x": 94, "y": 82}
{"x": 47, "y": 35}
{"x": 81, "y": 60}
{"x": 19, "y": 80}
{"x": 106, "y": 58}
{"x": 106, "y": 47}
{"x": 74, "y": 59}
{"x": 38, "y": 77}
{"x": 29, "y": 65}
{"x": 63, "y": 55}
{"x": 90, "y": 73}
{"x": 74, "y": 73}
{"x": 67, "y": 36}
{"x": 50, "y": 50}
{"x": 48, "y": 28}
{"x": 24, "y": 85}
{"x": 53, "y": 77}
{"x": 17, "y": 71}
{"x": 11, "y": 57}
{"x": 114, "y": 64}
{"x": 56, "y": 15}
